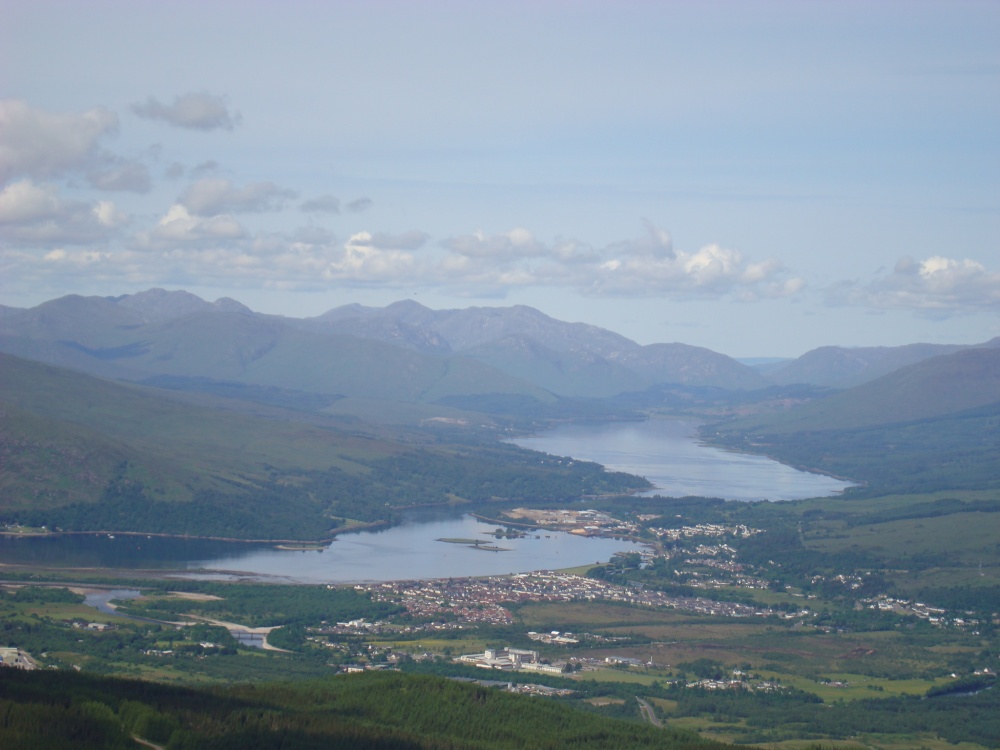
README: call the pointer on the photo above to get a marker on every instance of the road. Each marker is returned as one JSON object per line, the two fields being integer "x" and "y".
{"x": 648, "y": 712}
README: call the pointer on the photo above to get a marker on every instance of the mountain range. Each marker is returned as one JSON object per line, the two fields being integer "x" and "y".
{"x": 405, "y": 353}
{"x": 234, "y": 422}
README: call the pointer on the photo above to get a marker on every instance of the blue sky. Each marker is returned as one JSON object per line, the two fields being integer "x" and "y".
{"x": 759, "y": 178}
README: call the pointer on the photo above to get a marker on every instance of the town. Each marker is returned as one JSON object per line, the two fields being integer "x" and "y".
{"x": 460, "y": 602}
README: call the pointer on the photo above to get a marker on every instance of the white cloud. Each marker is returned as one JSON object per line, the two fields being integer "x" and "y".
{"x": 32, "y": 214}
{"x": 199, "y": 238}
{"x": 211, "y": 196}
{"x": 647, "y": 266}
{"x": 312, "y": 235}
{"x": 178, "y": 228}
{"x": 936, "y": 286}
{"x": 25, "y": 201}
{"x": 363, "y": 261}
{"x": 516, "y": 243}
{"x": 108, "y": 214}
{"x": 194, "y": 111}
{"x": 36, "y": 143}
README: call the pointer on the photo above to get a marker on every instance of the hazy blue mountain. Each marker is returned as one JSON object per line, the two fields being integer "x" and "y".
{"x": 581, "y": 372}
{"x": 570, "y": 359}
{"x": 84, "y": 453}
{"x": 175, "y": 334}
{"x": 841, "y": 367}
{"x": 88, "y": 321}
{"x": 404, "y": 352}
{"x": 157, "y": 305}
{"x": 929, "y": 426}
{"x": 691, "y": 365}
{"x": 931, "y": 388}
{"x": 474, "y": 326}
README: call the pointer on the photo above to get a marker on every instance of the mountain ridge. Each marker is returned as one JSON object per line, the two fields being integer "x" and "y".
{"x": 404, "y": 352}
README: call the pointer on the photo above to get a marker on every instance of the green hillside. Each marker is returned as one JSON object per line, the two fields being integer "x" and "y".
{"x": 89, "y": 454}
{"x": 932, "y": 425}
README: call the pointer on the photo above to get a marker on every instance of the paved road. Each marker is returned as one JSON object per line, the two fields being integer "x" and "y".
{"x": 648, "y": 712}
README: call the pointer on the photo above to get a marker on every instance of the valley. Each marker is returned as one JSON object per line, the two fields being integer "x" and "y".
{"x": 860, "y": 611}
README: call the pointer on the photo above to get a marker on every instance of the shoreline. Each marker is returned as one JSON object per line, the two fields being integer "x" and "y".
{"x": 293, "y": 543}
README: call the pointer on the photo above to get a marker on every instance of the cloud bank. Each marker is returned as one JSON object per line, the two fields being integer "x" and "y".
{"x": 936, "y": 287}
{"x": 55, "y": 224}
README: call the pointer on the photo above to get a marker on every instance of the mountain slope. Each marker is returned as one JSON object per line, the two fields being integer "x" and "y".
{"x": 81, "y": 453}
{"x": 932, "y": 425}
{"x": 569, "y": 359}
{"x": 404, "y": 353}
{"x": 175, "y": 334}
{"x": 840, "y": 367}
{"x": 932, "y": 388}
{"x": 682, "y": 364}
{"x": 580, "y": 373}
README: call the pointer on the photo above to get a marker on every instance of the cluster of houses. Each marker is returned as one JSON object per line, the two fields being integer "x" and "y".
{"x": 704, "y": 529}
{"x": 934, "y": 615}
{"x": 484, "y": 597}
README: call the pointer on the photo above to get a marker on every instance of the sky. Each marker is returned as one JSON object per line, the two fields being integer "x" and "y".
{"x": 759, "y": 178}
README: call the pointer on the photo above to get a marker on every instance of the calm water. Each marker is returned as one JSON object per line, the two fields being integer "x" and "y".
{"x": 100, "y": 599}
{"x": 667, "y": 453}
{"x": 664, "y": 451}
{"x": 408, "y": 551}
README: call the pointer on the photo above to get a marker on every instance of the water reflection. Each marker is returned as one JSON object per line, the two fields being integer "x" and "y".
{"x": 412, "y": 551}
{"x": 408, "y": 551}
{"x": 100, "y": 599}
{"x": 668, "y": 454}
{"x": 115, "y": 551}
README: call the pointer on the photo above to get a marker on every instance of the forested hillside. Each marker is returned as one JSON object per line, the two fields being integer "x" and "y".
{"x": 373, "y": 710}
{"x": 87, "y": 454}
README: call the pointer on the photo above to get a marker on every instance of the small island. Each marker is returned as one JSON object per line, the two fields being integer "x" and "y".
{"x": 474, "y": 543}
